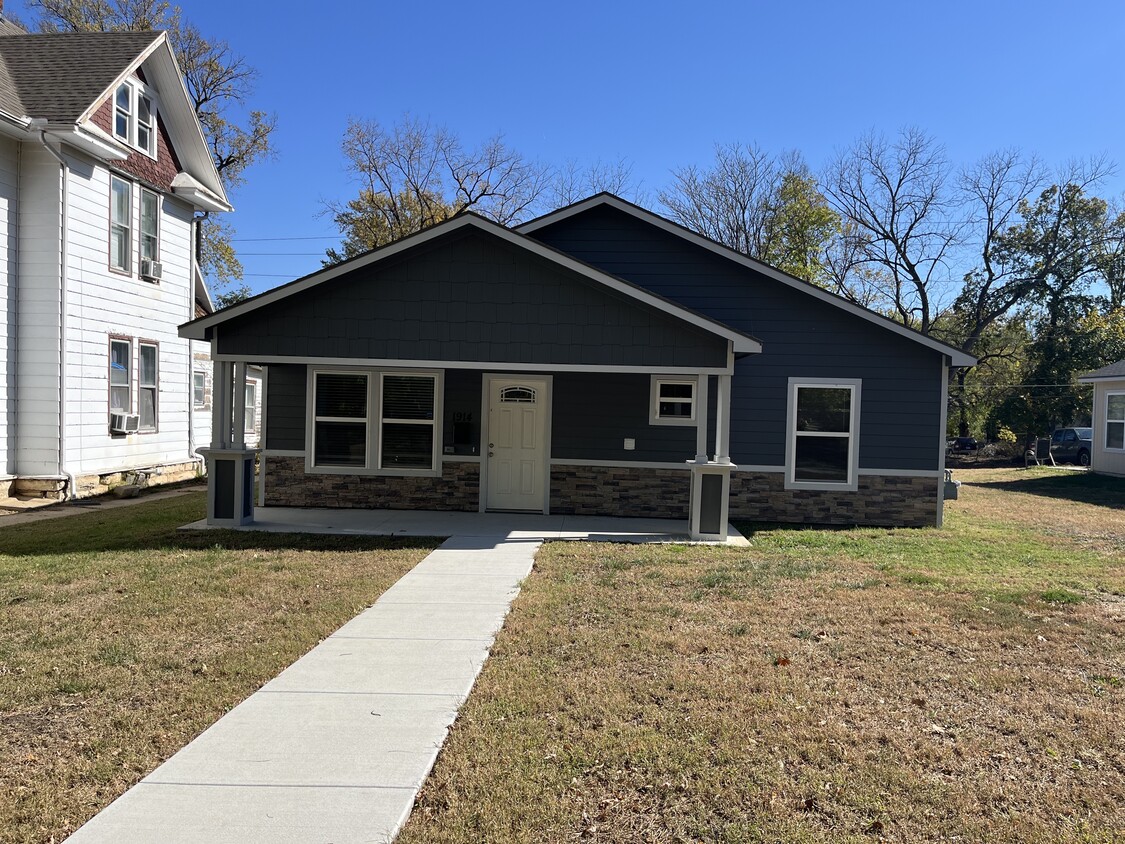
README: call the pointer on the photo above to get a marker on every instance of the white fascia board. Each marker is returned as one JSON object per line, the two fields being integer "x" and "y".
{"x": 81, "y": 139}
{"x": 956, "y": 356}
{"x": 1097, "y": 379}
{"x": 741, "y": 343}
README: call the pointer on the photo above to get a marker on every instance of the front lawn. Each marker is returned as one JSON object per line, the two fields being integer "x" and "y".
{"x": 859, "y": 685}
{"x": 122, "y": 638}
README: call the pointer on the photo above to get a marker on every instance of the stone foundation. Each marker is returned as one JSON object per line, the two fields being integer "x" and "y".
{"x": 288, "y": 485}
{"x": 620, "y": 491}
{"x": 87, "y": 486}
{"x": 880, "y": 500}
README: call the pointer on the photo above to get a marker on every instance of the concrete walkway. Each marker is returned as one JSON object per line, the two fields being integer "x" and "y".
{"x": 335, "y": 748}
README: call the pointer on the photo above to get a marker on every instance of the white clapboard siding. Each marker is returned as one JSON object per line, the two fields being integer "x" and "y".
{"x": 104, "y": 304}
{"x": 9, "y": 171}
{"x": 37, "y": 342}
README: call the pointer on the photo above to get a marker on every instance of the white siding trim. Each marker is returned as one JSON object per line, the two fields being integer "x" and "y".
{"x": 624, "y": 464}
{"x": 393, "y": 363}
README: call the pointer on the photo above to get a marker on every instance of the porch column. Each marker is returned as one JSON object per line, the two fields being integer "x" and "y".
{"x": 239, "y": 422}
{"x": 701, "y": 419}
{"x": 230, "y": 465}
{"x": 722, "y": 421}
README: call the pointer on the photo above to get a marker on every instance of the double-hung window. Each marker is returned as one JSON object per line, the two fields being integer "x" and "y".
{"x": 672, "y": 401}
{"x": 147, "y": 397}
{"x": 251, "y": 396}
{"x": 375, "y": 422}
{"x": 150, "y": 227}
{"x": 199, "y": 388}
{"x": 134, "y": 117}
{"x": 822, "y": 451}
{"x": 120, "y": 376}
{"x": 1115, "y": 421}
{"x": 340, "y": 407}
{"x": 120, "y": 224}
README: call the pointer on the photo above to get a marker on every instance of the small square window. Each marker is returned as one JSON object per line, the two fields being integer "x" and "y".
{"x": 673, "y": 401}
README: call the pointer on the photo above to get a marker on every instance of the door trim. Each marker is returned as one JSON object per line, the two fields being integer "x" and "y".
{"x": 485, "y": 415}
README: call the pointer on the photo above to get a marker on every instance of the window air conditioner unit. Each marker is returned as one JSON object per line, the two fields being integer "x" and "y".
{"x": 151, "y": 269}
{"x": 124, "y": 423}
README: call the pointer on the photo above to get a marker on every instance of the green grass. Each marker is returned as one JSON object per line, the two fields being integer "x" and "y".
{"x": 121, "y": 638}
{"x": 819, "y": 686}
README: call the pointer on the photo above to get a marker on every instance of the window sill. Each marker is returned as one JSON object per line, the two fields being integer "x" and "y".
{"x": 823, "y": 486}
{"x": 672, "y": 423}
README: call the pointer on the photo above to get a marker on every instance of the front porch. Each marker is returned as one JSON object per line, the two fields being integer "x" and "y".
{"x": 528, "y": 527}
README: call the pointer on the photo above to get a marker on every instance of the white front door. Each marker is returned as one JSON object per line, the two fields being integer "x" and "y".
{"x": 517, "y": 448}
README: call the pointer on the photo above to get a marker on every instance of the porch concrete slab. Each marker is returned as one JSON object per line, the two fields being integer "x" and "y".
{"x": 335, "y": 747}
{"x": 259, "y": 814}
{"x": 326, "y": 742}
{"x": 528, "y": 527}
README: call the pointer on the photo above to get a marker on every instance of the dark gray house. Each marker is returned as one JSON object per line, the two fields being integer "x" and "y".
{"x": 598, "y": 360}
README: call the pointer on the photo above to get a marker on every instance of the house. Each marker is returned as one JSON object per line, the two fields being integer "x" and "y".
{"x": 1108, "y": 420}
{"x": 103, "y": 172}
{"x": 598, "y": 360}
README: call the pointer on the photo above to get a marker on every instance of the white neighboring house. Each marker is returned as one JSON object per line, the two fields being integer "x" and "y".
{"x": 103, "y": 169}
{"x": 1108, "y": 457}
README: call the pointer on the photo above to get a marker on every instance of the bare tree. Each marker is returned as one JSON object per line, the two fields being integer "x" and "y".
{"x": 416, "y": 174}
{"x": 894, "y": 196}
{"x": 574, "y": 182}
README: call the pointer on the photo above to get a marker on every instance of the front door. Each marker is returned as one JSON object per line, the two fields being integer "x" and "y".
{"x": 517, "y": 448}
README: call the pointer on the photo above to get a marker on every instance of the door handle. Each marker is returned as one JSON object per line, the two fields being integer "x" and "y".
{"x": 490, "y": 454}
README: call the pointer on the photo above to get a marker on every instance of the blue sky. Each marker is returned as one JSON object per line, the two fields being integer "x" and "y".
{"x": 657, "y": 83}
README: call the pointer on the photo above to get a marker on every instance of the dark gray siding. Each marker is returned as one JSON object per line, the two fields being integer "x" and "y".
{"x": 802, "y": 336}
{"x": 470, "y": 296}
{"x": 285, "y": 408}
{"x": 593, "y": 413}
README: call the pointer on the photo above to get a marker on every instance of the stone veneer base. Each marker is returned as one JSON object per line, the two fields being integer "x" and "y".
{"x": 288, "y": 485}
{"x": 615, "y": 491}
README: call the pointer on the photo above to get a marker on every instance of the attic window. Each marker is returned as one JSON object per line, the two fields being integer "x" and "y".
{"x": 134, "y": 117}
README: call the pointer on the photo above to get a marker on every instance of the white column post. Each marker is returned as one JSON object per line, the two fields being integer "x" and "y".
{"x": 240, "y": 404}
{"x": 722, "y": 421}
{"x": 701, "y": 406}
{"x": 220, "y": 404}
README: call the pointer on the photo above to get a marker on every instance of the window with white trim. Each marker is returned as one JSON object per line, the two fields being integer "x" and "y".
{"x": 120, "y": 224}
{"x": 407, "y": 438}
{"x": 199, "y": 389}
{"x": 150, "y": 227}
{"x": 673, "y": 401}
{"x": 120, "y": 376}
{"x": 147, "y": 393}
{"x": 251, "y": 395}
{"x": 134, "y": 117}
{"x": 823, "y": 418}
{"x": 1115, "y": 421}
{"x": 375, "y": 422}
{"x": 340, "y": 411}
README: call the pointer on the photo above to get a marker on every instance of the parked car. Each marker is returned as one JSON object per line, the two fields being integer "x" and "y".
{"x": 1072, "y": 445}
{"x": 963, "y": 445}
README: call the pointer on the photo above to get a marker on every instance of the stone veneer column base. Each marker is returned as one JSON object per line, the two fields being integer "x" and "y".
{"x": 620, "y": 491}
{"x": 881, "y": 500}
{"x": 288, "y": 485}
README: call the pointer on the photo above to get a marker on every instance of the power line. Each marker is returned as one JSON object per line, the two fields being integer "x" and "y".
{"x": 264, "y": 239}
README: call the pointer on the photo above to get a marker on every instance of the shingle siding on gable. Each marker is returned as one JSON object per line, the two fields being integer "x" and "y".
{"x": 801, "y": 336}
{"x": 469, "y": 296}
{"x": 158, "y": 173}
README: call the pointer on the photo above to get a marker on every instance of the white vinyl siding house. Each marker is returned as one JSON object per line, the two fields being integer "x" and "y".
{"x": 1108, "y": 455}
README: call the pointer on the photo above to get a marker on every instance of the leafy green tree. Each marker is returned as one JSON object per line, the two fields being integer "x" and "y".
{"x": 219, "y": 82}
{"x": 373, "y": 219}
{"x": 802, "y": 225}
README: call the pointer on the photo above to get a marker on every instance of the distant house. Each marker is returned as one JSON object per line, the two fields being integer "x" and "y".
{"x": 103, "y": 168}
{"x": 1108, "y": 456}
{"x": 598, "y": 360}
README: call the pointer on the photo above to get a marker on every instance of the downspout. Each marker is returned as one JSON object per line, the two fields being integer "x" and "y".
{"x": 64, "y": 262}
{"x": 191, "y": 348}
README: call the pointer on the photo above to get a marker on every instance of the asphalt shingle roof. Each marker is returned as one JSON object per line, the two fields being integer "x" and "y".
{"x": 58, "y": 75}
{"x": 1114, "y": 370}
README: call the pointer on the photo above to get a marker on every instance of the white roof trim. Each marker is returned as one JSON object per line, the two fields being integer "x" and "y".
{"x": 1093, "y": 379}
{"x": 741, "y": 343}
{"x": 957, "y": 357}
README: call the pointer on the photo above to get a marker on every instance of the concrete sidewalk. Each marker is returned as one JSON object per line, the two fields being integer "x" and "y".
{"x": 334, "y": 749}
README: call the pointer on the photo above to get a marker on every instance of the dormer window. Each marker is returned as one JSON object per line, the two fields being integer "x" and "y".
{"x": 134, "y": 117}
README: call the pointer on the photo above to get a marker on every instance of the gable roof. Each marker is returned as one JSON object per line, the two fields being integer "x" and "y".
{"x": 1113, "y": 370}
{"x": 54, "y": 82}
{"x": 957, "y": 356}
{"x": 57, "y": 75}
{"x": 198, "y": 329}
